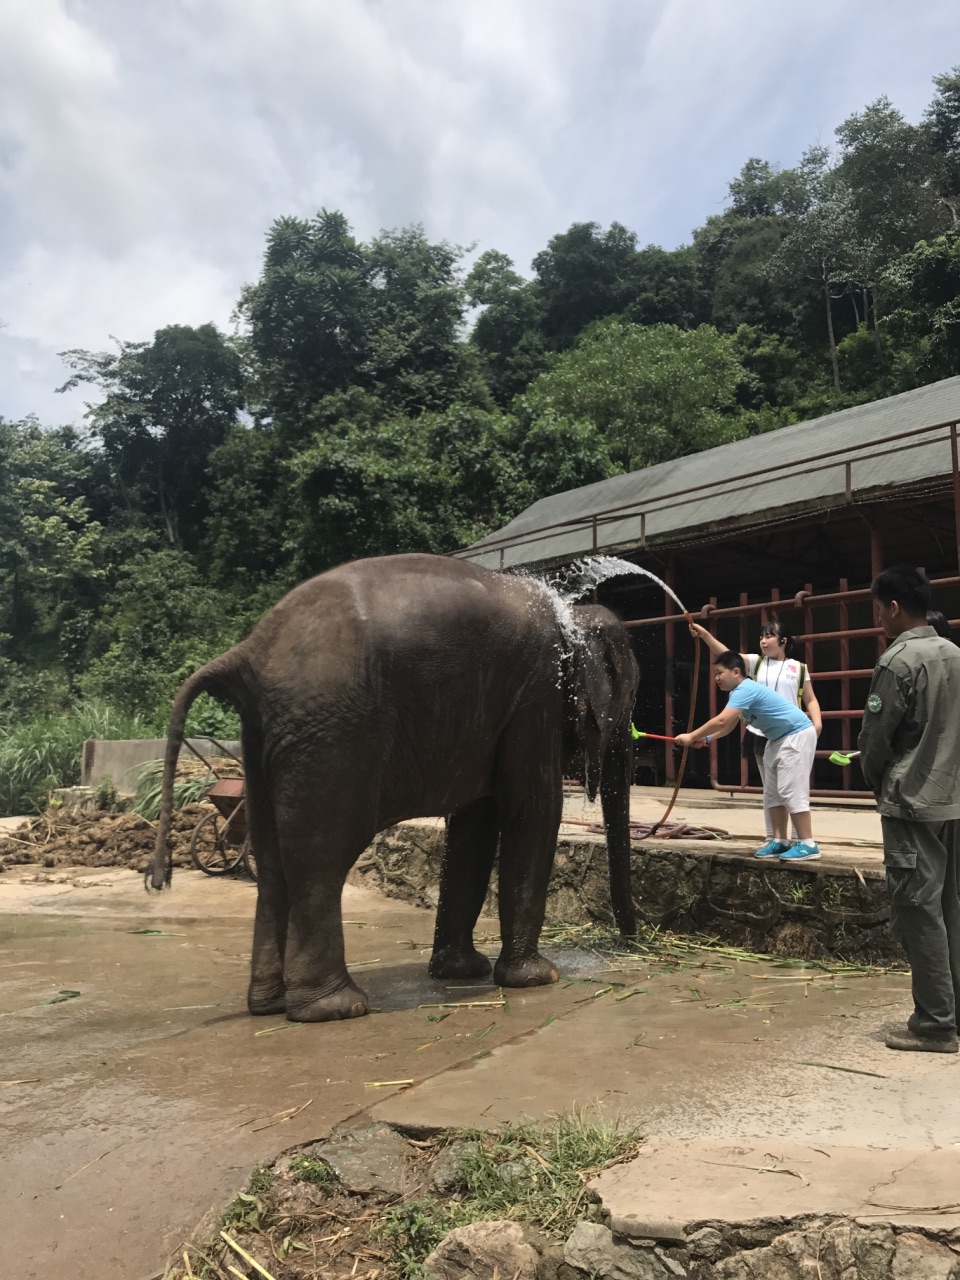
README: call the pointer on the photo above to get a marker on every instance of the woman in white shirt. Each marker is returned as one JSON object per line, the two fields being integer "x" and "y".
{"x": 774, "y": 667}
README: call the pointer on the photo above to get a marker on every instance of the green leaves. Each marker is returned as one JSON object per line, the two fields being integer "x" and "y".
{"x": 652, "y": 392}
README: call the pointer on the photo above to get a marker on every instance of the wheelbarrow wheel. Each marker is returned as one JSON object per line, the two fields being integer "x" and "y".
{"x": 209, "y": 848}
{"x": 249, "y": 861}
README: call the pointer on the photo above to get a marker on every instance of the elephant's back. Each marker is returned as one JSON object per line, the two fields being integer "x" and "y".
{"x": 394, "y": 630}
{"x": 403, "y": 603}
{"x": 406, "y": 672}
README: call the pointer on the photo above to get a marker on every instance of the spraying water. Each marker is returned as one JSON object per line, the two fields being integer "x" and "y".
{"x": 584, "y": 575}
{"x": 563, "y": 609}
{"x": 568, "y": 585}
{"x": 563, "y": 588}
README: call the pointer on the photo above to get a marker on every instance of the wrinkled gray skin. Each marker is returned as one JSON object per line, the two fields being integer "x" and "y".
{"x": 404, "y": 687}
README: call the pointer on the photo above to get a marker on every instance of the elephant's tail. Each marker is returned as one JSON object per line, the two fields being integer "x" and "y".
{"x": 223, "y": 678}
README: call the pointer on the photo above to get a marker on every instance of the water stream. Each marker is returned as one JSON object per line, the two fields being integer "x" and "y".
{"x": 583, "y": 575}
{"x": 566, "y": 586}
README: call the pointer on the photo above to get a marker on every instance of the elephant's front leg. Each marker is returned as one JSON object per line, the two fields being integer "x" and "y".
{"x": 471, "y": 846}
{"x": 528, "y": 842}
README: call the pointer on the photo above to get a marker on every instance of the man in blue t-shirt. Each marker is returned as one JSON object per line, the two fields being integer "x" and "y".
{"x": 787, "y": 761}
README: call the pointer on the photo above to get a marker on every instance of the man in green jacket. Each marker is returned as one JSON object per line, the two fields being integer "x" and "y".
{"x": 910, "y": 756}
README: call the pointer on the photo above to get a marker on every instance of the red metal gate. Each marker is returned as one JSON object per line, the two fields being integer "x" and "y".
{"x": 825, "y": 631}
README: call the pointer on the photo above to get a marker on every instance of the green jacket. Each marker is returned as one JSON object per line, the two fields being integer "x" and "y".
{"x": 910, "y": 741}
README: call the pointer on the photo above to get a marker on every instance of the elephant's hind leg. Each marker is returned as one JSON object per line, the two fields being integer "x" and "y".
{"x": 471, "y": 846}
{"x": 316, "y": 859}
{"x": 266, "y": 993}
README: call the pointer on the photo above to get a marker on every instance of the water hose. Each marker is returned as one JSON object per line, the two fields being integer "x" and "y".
{"x": 686, "y": 750}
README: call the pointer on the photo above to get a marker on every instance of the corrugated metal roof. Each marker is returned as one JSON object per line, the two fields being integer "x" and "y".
{"x": 767, "y": 477}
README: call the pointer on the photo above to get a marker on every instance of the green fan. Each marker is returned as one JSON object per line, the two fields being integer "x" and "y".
{"x": 843, "y": 758}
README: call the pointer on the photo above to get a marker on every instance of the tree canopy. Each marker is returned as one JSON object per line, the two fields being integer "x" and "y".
{"x": 404, "y": 393}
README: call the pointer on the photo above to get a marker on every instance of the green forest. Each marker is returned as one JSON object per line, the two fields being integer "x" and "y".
{"x": 406, "y": 395}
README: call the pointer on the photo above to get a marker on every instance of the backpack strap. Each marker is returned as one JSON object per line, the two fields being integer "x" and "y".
{"x": 757, "y": 665}
{"x": 801, "y": 683}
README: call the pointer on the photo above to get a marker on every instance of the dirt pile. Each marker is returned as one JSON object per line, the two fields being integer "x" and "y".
{"x": 85, "y": 839}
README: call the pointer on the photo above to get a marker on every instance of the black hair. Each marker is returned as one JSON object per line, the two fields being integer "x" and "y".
{"x": 910, "y": 588}
{"x": 777, "y": 629}
{"x": 939, "y": 622}
{"x": 731, "y": 661}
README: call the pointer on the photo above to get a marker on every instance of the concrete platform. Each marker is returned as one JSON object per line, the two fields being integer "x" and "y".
{"x": 672, "y": 1188}
{"x": 848, "y": 831}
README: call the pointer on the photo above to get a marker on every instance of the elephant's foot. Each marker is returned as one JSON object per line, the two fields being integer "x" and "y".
{"x": 449, "y": 962}
{"x": 266, "y": 997}
{"x": 348, "y": 1001}
{"x": 537, "y": 971}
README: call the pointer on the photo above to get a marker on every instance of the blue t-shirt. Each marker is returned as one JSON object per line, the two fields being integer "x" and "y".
{"x": 768, "y": 710}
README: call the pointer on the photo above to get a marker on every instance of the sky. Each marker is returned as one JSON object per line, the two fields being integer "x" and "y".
{"x": 146, "y": 148}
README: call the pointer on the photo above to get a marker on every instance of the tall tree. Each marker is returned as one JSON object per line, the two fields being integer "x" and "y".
{"x": 51, "y": 557}
{"x": 507, "y": 330}
{"x": 583, "y": 275}
{"x": 166, "y": 405}
{"x": 922, "y": 293}
{"x": 418, "y": 360}
{"x": 666, "y": 288}
{"x": 763, "y": 190}
{"x": 309, "y": 315}
{"x": 942, "y": 122}
{"x": 886, "y": 164}
{"x": 822, "y": 246}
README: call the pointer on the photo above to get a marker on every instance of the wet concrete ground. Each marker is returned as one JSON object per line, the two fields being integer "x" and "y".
{"x": 129, "y": 1110}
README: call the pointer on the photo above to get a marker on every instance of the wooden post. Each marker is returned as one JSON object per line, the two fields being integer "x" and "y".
{"x": 670, "y": 640}
{"x": 744, "y": 648}
{"x": 955, "y": 467}
{"x": 844, "y": 620}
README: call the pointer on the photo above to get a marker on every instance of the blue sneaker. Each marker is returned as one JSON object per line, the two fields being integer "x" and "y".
{"x": 772, "y": 849}
{"x": 802, "y": 851}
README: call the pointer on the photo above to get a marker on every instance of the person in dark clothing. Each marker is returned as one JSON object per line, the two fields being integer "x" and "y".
{"x": 910, "y": 756}
{"x": 939, "y": 622}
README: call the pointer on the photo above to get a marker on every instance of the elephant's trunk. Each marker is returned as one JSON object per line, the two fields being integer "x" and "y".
{"x": 615, "y": 799}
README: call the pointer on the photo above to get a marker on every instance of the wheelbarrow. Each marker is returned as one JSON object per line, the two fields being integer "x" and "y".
{"x": 220, "y": 841}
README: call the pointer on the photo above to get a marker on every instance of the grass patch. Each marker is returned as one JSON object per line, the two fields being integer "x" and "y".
{"x": 316, "y": 1172}
{"x": 247, "y": 1210}
{"x": 149, "y": 793}
{"x": 412, "y": 1230}
{"x": 261, "y": 1180}
{"x": 537, "y": 1173}
{"x": 529, "y": 1173}
{"x": 38, "y": 755}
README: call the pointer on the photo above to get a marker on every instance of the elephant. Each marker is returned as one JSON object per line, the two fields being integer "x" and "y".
{"x": 409, "y": 686}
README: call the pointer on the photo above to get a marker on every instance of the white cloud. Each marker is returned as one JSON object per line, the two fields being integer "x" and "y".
{"x": 145, "y": 150}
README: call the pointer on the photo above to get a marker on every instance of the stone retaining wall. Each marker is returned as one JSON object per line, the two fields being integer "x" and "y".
{"x": 811, "y": 1249}
{"x": 811, "y": 911}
